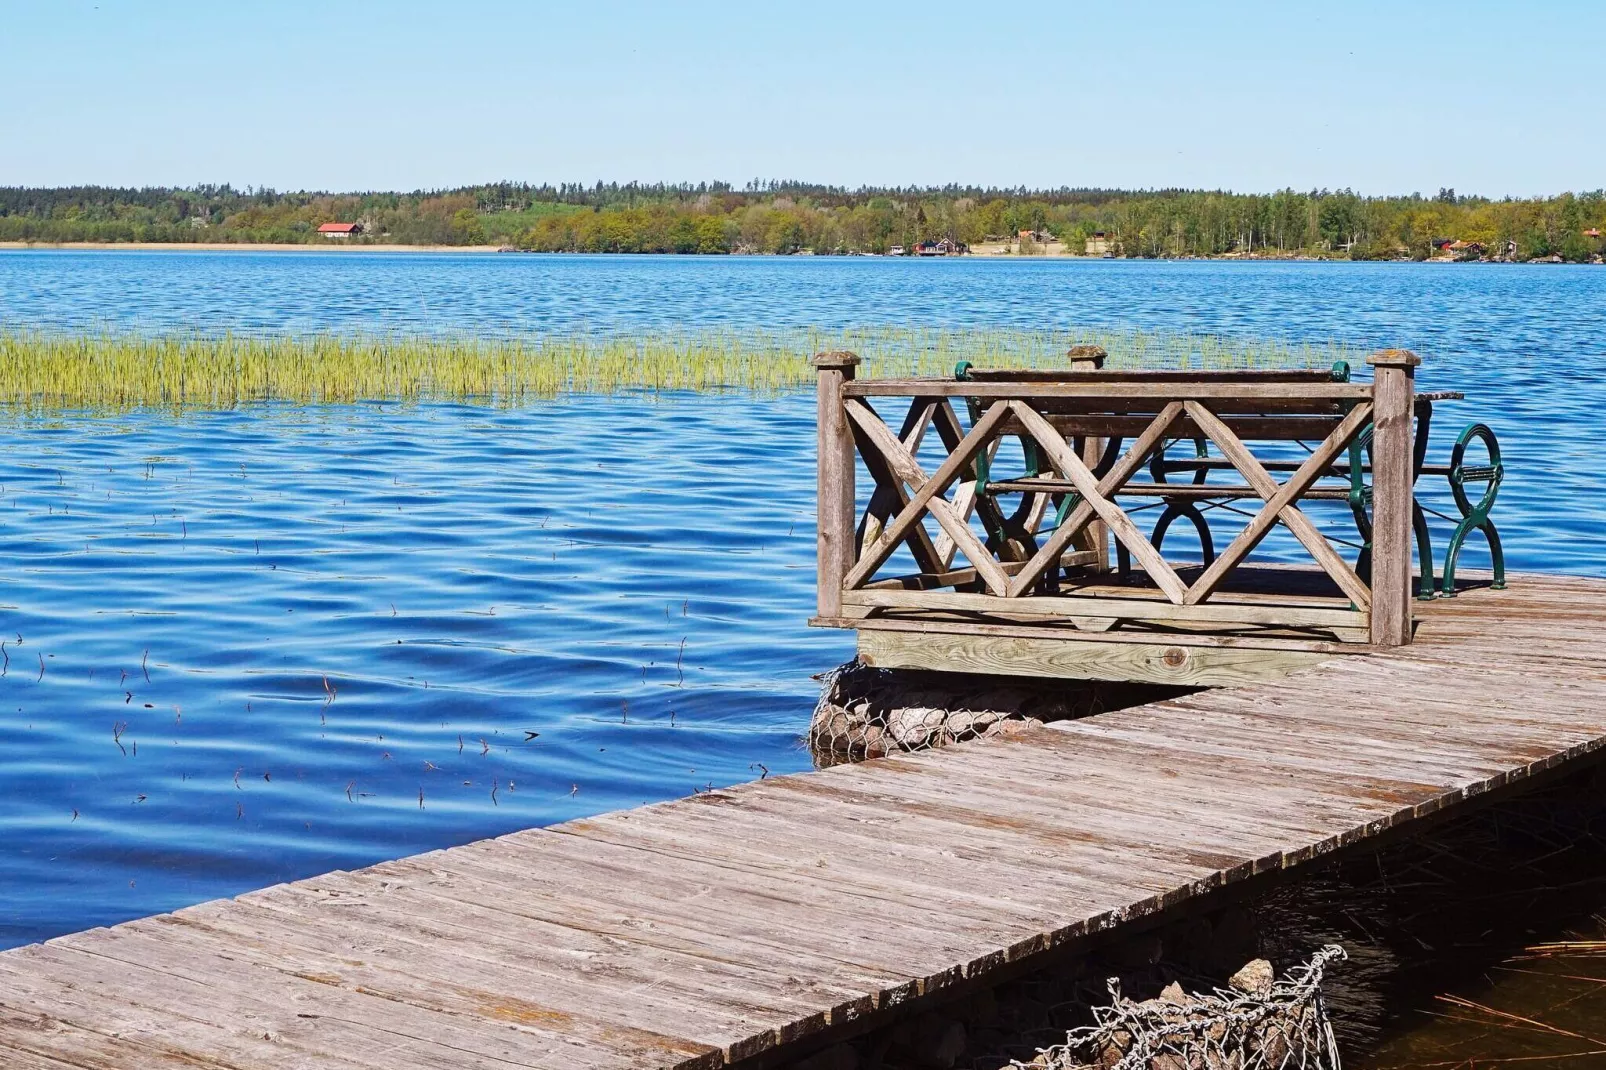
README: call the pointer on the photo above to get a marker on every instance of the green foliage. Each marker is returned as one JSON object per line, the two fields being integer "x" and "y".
{"x": 790, "y": 217}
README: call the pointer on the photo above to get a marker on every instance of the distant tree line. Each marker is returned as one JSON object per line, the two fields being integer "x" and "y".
{"x": 792, "y": 217}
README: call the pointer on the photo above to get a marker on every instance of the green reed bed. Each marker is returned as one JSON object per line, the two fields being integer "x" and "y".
{"x": 43, "y": 372}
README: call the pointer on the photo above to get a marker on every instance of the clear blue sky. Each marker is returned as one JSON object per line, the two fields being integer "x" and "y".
{"x": 1382, "y": 97}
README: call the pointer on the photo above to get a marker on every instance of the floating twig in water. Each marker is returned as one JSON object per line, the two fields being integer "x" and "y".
{"x": 493, "y": 792}
{"x": 349, "y": 786}
{"x": 117, "y": 736}
{"x": 41, "y": 668}
{"x": 143, "y": 666}
{"x": 1467, "y": 1004}
{"x": 485, "y": 748}
{"x": 763, "y": 770}
{"x": 678, "y": 659}
{"x": 529, "y": 735}
{"x": 420, "y": 798}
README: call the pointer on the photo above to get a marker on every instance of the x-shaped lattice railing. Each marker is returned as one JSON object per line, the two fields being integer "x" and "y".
{"x": 902, "y": 484}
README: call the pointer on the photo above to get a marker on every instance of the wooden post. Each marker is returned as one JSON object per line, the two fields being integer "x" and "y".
{"x": 1393, "y": 387}
{"x": 834, "y": 519}
{"x": 1086, "y": 358}
{"x": 1089, "y": 359}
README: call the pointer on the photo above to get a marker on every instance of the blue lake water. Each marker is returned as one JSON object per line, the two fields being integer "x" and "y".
{"x": 249, "y": 646}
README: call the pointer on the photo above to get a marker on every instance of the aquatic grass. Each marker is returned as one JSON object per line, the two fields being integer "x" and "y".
{"x": 43, "y": 372}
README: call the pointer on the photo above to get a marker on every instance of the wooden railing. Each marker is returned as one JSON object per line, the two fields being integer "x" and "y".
{"x": 1094, "y": 432}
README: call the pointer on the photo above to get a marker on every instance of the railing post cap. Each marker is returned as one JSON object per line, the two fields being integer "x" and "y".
{"x": 1394, "y": 358}
{"x": 1087, "y": 354}
{"x": 841, "y": 359}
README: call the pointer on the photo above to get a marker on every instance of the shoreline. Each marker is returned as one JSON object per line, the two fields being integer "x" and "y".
{"x": 980, "y": 251}
{"x": 247, "y": 247}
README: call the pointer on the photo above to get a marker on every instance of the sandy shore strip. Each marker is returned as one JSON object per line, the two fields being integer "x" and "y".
{"x": 246, "y": 247}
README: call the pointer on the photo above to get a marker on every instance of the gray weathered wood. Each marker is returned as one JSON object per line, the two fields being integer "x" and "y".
{"x": 1193, "y": 385}
{"x": 1280, "y": 505}
{"x": 1083, "y": 515}
{"x": 728, "y": 925}
{"x": 1393, "y": 383}
{"x": 1289, "y": 615}
{"x": 1156, "y": 663}
{"x": 874, "y": 555}
{"x": 905, "y": 468}
{"x": 1072, "y": 468}
{"x": 834, "y": 520}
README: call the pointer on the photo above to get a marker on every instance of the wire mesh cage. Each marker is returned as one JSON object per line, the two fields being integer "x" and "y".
{"x": 1263, "y": 1023}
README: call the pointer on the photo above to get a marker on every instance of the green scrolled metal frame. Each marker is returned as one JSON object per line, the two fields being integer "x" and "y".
{"x": 1475, "y": 516}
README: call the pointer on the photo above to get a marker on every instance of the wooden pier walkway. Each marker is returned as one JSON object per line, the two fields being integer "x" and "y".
{"x": 705, "y": 931}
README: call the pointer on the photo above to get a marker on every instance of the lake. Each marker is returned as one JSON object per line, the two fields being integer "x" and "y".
{"x": 250, "y": 646}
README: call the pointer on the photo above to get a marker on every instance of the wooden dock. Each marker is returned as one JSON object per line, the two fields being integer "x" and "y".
{"x": 703, "y": 932}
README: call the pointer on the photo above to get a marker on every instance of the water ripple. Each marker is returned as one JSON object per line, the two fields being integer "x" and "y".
{"x": 238, "y": 647}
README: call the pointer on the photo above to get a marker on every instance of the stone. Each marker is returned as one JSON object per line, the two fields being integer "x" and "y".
{"x": 867, "y": 712}
{"x": 1012, "y": 727}
{"x": 872, "y": 741}
{"x": 1274, "y": 1044}
{"x": 1173, "y": 993}
{"x": 913, "y": 727}
{"x": 1255, "y": 978}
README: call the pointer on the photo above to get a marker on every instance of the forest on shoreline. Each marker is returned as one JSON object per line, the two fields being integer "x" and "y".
{"x": 795, "y": 217}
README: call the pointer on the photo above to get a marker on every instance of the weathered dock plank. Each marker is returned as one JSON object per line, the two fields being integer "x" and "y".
{"x": 705, "y": 931}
